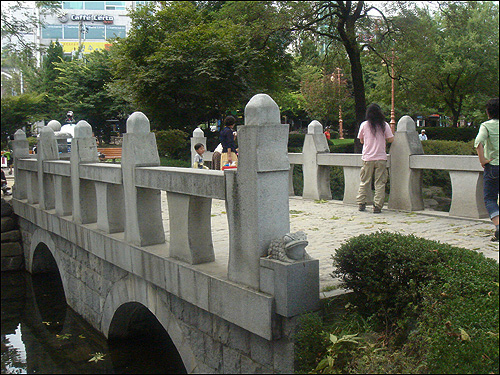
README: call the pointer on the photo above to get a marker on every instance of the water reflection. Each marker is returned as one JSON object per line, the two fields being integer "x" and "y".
{"x": 41, "y": 334}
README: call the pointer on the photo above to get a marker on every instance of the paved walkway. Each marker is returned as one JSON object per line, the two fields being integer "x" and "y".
{"x": 330, "y": 223}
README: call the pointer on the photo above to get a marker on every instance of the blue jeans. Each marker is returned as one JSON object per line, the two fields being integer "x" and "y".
{"x": 490, "y": 182}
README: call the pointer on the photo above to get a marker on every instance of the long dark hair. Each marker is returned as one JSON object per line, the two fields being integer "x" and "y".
{"x": 375, "y": 118}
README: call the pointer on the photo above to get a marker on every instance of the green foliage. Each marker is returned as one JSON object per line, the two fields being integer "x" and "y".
{"x": 432, "y": 147}
{"x": 81, "y": 88}
{"x": 438, "y": 303}
{"x": 450, "y": 134}
{"x": 342, "y": 148}
{"x": 295, "y": 141}
{"x": 337, "y": 354}
{"x": 167, "y": 162}
{"x": 310, "y": 343}
{"x": 173, "y": 143}
{"x": 32, "y": 141}
{"x": 19, "y": 111}
{"x": 386, "y": 271}
{"x": 184, "y": 65}
{"x": 448, "y": 59}
{"x": 459, "y": 316}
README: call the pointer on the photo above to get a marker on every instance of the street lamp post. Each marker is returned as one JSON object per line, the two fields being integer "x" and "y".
{"x": 393, "y": 119}
{"x": 341, "y": 122}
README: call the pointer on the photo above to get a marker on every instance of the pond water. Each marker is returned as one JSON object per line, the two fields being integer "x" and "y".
{"x": 41, "y": 334}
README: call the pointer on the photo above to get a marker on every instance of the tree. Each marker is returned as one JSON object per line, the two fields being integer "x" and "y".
{"x": 184, "y": 64}
{"x": 81, "y": 86}
{"x": 19, "y": 20}
{"x": 449, "y": 60}
{"x": 343, "y": 22}
{"x": 19, "y": 111}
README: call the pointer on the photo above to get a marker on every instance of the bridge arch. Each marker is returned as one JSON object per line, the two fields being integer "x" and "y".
{"x": 125, "y": 298}
{"x": 43, "y": 258}
{"x": 42, "y": 253}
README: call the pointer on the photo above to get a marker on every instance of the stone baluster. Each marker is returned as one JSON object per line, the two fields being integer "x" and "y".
{"x": 406, "y": 183}
{"x": 20, "y": 149}
{"x": 291, "y": 191}
{"x": 110, "y": 207}
{"x": 46, "y": 150}
{"x": 190, "y": 228}
{"x": 198, "y": 137}
{"x": 257, "y": 192}
{"x": 62, "y": 184}
{"x": 143, "y": 220}
{"x": 316, "y": 177}
{"x": 83, "y": 150}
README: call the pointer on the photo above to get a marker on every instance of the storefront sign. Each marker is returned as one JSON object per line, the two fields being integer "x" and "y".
{"x": 87, "y": 47}
{"x": 87, "y": 17}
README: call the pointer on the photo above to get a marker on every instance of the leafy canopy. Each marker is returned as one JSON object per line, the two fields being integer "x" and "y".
{"x": 184, "y": 64}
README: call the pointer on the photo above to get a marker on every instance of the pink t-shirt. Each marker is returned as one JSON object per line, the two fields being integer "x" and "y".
{"x": 373, "y": 144}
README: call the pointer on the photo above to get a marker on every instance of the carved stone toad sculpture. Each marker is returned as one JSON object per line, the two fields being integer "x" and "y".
{"x": 290, "y": 248}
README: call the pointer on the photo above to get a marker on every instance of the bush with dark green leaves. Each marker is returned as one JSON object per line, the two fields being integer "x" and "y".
{"x": 447, "y": 297}
{"x": 450, "y": 134}
{"x": 296, "y": 141}
{"x": 173, "y": 143}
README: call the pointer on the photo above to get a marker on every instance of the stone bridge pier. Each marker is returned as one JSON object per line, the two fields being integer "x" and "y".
{"x": 100, "y": 226}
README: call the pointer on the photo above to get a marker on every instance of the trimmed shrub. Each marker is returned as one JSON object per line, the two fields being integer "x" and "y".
{"x": 447, "y": 297}
{"x": 296, "y": 141}
{"x": 173, "y": 143}
{"x": 345, "y": 148}
{"x": 432, "y": 147}
{"x": 450, "y": 134}
{"x": 459, "y": 317}
{"x": 385, "y": 270}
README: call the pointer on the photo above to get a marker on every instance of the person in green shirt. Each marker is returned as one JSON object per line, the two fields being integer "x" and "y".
{"x": 486, "y": 144}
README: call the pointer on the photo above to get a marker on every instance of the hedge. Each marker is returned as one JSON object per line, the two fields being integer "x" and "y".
{"x": 450, "y": 293}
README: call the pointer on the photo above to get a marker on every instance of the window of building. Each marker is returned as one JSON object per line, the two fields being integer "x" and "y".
{"x": 94, "y": 5}
{"x": 52, "y": 32}
{"x": 141, "y": 3}
{"x": 113, "y": 31}
{"x": 115, "y": 5}
{"x": 70, "y": 31}
{"x": 95, "y": 32}
{"x": 72, "y": 4}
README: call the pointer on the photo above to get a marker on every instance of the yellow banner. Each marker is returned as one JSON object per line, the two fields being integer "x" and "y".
{"x": 87, "y": 47}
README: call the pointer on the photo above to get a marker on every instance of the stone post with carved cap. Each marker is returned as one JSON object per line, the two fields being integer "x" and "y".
{"x": 257, "y": 192}
{"x": 143, "y": 219}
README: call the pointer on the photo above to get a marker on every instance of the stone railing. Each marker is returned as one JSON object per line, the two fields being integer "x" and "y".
{"x": 126, "y": 198}
{"x": 405, "y": 161}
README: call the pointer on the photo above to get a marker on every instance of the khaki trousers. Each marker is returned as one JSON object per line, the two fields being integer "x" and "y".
{"x": 375, "y": 170}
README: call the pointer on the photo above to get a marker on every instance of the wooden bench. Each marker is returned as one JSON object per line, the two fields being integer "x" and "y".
{"x": 110, "y": 153}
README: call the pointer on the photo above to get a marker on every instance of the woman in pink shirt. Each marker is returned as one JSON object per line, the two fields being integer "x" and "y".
{"x": 373, "y": 133}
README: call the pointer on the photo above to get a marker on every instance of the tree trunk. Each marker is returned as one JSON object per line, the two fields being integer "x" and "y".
{"x": 349, "y": 41}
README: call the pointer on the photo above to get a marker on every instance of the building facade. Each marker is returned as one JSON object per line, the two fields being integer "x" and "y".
{"x": 87, "y": 25}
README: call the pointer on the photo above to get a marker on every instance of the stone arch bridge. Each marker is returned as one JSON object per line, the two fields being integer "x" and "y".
{"x": 101, "y": 226}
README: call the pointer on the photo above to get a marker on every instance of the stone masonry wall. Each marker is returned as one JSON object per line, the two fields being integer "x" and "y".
{"x": 218, "y": 346}
{"x": 12, "y": 250}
